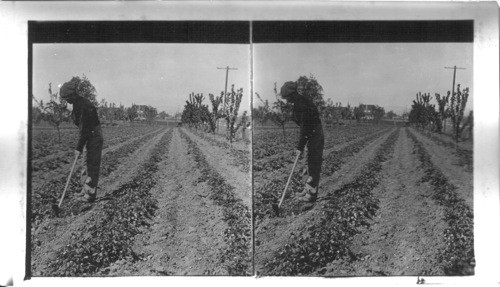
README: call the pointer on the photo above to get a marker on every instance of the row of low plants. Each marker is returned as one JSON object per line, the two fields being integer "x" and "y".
{"x": 464, "y": 155}
{"x": 280, "y": 161}
{"x": 328, "y": 237}
{"x": 108, "y": 235}
{"x": 58, "y": 154}
{"x": 49, "y": 192}
{"x": 458, "y": 256}
{"x": 336, "y": 159}
{"x": 237, "y": 257}
{"x": 241, "y": 158}
{"x": 270, "y": 142}
{"x": 268, "y": 193}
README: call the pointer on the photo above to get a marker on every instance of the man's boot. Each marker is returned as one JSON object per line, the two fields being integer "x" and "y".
{"x": 89, "y": 193}
{"x": 310, "y": 193}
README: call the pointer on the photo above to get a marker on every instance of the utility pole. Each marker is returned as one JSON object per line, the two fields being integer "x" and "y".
{"x": 454, "y": 74}
{"x": 227, "y": 68}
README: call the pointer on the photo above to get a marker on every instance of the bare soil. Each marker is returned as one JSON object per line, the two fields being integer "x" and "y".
{"x": 186, "y": 235}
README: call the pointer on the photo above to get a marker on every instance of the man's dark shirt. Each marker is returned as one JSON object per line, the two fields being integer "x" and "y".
{"x": 84, "y": 115}
{"x": 306, "y": 115}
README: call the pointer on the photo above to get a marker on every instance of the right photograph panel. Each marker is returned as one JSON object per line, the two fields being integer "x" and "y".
{"x": 362, "y": 149}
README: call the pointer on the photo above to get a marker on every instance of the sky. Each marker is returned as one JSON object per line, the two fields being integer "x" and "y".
{"x": 385, "y": 74}
{"x": 160, "y": 75}
{"x": 163, "y": 75}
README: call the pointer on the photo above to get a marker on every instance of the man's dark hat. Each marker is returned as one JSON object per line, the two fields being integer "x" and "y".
{"x": 68, "y": 90}
{"x": 288, "y": 89}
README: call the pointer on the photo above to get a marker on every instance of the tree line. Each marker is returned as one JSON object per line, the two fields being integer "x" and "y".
{"x": 224, "y": 107}
{"x": 427, "y": 116}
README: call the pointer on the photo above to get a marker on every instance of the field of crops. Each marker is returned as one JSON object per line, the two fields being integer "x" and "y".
{"x": 178, "y": 201}
{"x": 392, "y": 201}
{"x": 150, "y": 218}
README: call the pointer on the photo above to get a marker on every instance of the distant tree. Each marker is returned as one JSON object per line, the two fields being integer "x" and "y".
{"x": 85, "y": 89}
{"x": 150, "y": 114}
{"x": 442, "y": 111}
{"x": 195, "y": 113}
{"x": 456, "y": 110}
{"x": 217, "y": 112}
{"x": 422, "y": 113}
{"x": 332, "y": 112}
{"x": 36, "y": 111}
{"x": 120, "y": 113}
{"x": 232, "y": 105}
{"x": 309, "y": 86}
{"x": 359, "y": 112}
{"x": 163, "y": 115}
{"x": 55, "y": 111}
{"x": 132, "y": 113}
{"x": 390, "y": 115}
{"x": 281, "y": 112}
{"x": 262, "y": 113}
{"x": 377, "y": 112}
{"x": 347, "y": 112}
{"x": 111, "y": 112}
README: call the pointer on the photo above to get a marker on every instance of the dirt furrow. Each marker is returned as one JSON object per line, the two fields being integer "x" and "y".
{"x": 53, "y": 233}
{"x": 220, "y": 160}
{"x": 186, "y": 235}
{"x": 238, "y": 145}
{"x": 446, "y": 160}
{"x": 407, "y": 231}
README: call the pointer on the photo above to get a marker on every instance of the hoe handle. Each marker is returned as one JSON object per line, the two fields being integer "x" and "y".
{"x": 289, "y": 178}
{"x": 67, "y": 181}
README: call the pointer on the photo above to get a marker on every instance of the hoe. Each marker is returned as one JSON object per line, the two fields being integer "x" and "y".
{"x": 276, "y": 207}
{"x": 56, "y": 207}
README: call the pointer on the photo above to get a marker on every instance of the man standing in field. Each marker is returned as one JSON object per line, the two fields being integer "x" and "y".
{"x": 306, "y": 115}
{"x": 84, "y": 115}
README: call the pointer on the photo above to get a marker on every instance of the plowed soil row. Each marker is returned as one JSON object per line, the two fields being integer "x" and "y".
{"x": 327, "y": 236}
{"x": 196, "y": 229}
{"x": 235, "y": 175}
{"x": 45, "y": 186}
{"x": 452, "y": 165}
{"x": 54, "y": 233}
{"x": 406, "y": 234}
{"x": 236, "y": 258}
{"x": 185, "y": 237}
{"x": 274, "y": 232}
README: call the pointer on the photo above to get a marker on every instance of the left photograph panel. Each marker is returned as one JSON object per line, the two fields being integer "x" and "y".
{"x": 140, "y": 149}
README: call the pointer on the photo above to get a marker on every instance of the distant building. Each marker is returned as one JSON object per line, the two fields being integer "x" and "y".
{"x": 368, "y": 111}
